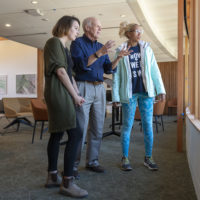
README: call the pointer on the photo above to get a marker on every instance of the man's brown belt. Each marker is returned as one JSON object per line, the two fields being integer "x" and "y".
{"x": 95, "y": 82}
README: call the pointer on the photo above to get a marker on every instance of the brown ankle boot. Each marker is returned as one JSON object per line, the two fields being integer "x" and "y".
{"x": 69, "y": 188}
{"x": 53, "y": 180}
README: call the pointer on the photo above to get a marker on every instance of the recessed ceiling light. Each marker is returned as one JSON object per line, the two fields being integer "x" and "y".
{"x": 34, "y": 2}
{"x": 122, "y": 15}
{"x": 7, "y": 25}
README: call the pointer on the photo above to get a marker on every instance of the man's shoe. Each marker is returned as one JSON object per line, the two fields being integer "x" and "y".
{"x": 76, "y": 174}
{"x": 69, "y": 188}
{"x": 149, "y": 162}
{"x": 53, "y": 180}
{"x": 125, "y": 166}
{"x": 95, "y": 168}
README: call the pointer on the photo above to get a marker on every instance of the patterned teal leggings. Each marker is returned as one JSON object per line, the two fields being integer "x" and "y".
{"x": 145, "y": 104}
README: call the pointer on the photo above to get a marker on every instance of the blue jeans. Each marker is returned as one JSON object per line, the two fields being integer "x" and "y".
{"x": 145, "y": 104}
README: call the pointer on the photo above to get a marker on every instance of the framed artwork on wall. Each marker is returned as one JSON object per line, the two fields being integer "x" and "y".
{"x": 3, "y": 84}
{"x": 26, "y": 84}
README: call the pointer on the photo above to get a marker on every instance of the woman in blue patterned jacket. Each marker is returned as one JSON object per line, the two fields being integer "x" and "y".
{"x": 136, "y": 82}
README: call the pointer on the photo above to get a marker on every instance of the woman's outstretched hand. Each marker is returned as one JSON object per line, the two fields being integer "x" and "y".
{"x": 124, "y": 52}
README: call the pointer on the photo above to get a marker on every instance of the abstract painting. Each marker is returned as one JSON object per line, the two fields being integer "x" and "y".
{"x": 26, "y": 84}
{"x": 3, "y": 84}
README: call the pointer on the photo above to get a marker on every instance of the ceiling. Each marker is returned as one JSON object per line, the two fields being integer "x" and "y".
{"x": 158, "y": 18}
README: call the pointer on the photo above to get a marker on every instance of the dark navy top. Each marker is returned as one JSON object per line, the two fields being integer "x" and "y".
{"x": 136, "y": 71}
{"x": 70, "y": 64}
{"x": 81, "y": 49}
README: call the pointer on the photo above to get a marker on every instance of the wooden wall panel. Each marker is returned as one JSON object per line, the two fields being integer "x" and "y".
{"x": 180, "y": 75}
{"x": 40, "y": 75}
{"x": 169, "y": 76}
{"x": 198, "y": 54}
{"x": 1, "y": 38}
{"x": 191, "y": 72}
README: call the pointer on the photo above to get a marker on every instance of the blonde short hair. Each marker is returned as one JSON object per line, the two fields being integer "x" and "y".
{"x": 125, "y": 27}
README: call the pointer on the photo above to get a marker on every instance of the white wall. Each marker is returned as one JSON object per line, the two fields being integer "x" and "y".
{"x": 193, "y": 151}
{"x": 16, "y": 58}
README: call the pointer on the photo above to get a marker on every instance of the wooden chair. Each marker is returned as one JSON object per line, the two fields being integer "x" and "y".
{"x": 138, "y": 117}
{"x": 40, "y": 114}
{"x": 172, "y": 103}
{"x": 158, "y": 111}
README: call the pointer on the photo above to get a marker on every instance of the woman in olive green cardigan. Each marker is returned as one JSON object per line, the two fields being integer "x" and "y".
{"x": 61, "y": 96}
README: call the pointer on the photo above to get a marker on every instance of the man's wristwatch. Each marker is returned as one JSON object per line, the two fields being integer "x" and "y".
{"x": 119, "y": 57}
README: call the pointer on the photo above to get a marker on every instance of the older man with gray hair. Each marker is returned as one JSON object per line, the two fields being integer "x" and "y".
{"x": 91, "y": 61}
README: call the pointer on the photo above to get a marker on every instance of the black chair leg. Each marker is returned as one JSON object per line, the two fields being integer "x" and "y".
{"x": 117, "y": 114}
{"x": 18, "y": 125}
{"x": 15, "y": 121}
{"x": 19, "y": 120}
{"x": 156, "y": 122}
{"x": 140, "y": 126}
{"x": 42, "y": 130}
{"x": 162, "y": 123}
{"x": 34, "y": 131}
{"x": 27, "y": 120}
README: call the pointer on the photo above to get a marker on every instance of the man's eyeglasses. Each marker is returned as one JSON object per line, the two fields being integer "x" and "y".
{"x": 137, "y": 31}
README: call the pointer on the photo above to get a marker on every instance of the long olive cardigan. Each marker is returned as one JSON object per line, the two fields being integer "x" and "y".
{"x": 61, "y": 110}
